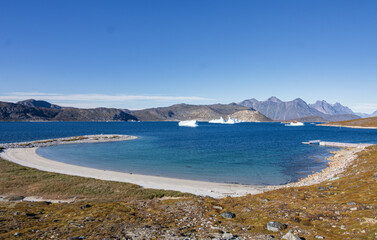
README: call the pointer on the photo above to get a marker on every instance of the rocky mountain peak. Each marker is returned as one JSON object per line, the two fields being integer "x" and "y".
{"x": 274, "y": 99}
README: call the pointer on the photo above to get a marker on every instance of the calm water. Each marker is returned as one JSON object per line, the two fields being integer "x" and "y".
{"x": 247, "y": 153}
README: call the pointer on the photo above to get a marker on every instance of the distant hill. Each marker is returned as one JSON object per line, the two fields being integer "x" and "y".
{"x": 357, "y": 123}
{"x": 198, "y": 112}
{"x": 310, "y": 119}
{"x": 20, "y": 112}
{"x": 38, "y": 103}
{"x": 276, "y": 109}
{"x": 94, "y": 114}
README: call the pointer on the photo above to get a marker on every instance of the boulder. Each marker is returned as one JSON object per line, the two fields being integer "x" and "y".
{"x": 290, "y": 236}
{"x": 275, "y": 226}
{"x": 228, "y": 215}
{"x": 227, "y": 236}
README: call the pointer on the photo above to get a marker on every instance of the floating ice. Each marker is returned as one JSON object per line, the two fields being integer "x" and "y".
{"x": 295, "y": 124}
{"x": 189, "y": 123}
{"x": 221, "y": 120}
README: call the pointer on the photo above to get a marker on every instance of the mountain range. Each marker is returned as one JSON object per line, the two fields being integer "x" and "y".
{"x": 298, "y": 109}
{"x": 250, "y": 110}
{"x": 33, "y": 110}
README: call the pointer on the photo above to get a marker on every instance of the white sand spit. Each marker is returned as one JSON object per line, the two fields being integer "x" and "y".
{"x": 29, "y": 158}
{"x": 26, "y": 155}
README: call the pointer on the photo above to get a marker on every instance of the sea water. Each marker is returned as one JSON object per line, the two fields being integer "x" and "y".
{"x": 245, "y": 153}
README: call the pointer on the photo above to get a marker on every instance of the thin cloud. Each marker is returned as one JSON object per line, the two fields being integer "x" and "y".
{"x": 18, "y": 96}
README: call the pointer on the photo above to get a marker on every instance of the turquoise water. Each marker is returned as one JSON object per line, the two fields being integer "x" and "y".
{"x": 246, "y": 153}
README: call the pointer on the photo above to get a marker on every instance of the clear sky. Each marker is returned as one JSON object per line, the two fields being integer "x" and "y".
{"x": 137, "y": 54}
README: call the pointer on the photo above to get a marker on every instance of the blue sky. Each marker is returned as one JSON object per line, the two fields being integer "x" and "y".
{"x": 138, "y": 54}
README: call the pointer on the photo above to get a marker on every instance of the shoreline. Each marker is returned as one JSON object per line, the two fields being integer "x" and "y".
{"x": 26, "y": 155}
{"x": 337, "y": 164}
{"x": 345, "y": 126}
{"x": 29, "y": 158}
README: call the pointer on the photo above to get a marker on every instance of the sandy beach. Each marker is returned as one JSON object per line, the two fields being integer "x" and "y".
{"x": 27, "y": 156}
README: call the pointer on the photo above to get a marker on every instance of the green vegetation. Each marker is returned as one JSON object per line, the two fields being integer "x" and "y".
{"x": 19, "y": 180}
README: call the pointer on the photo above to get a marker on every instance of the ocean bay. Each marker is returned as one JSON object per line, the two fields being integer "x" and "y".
{"x": 246, "y": 153}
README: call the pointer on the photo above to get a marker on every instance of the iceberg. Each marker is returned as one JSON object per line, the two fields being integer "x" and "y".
{"x": 232, "y": 121}
{"x": 220, "y": 120}
{"x": 189, "y": 123}
{"x": 295, "y": 124}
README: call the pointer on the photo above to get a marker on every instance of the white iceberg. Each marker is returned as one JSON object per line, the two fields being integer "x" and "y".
{"x": 188, "y": 123}
{"x": 220, "y": 120}
{"x": 232, "y": 121}
{"x": 295, "y": 124}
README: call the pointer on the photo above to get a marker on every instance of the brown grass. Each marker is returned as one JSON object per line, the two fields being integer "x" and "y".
{"x": 362, "y": 122}
{"x": 319, "y": 212}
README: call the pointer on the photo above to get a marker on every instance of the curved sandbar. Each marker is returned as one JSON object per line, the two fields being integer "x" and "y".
{"x": 29, "y": 158}
{"x": 25, "y": 155}
{"x": 70, "y": 140}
